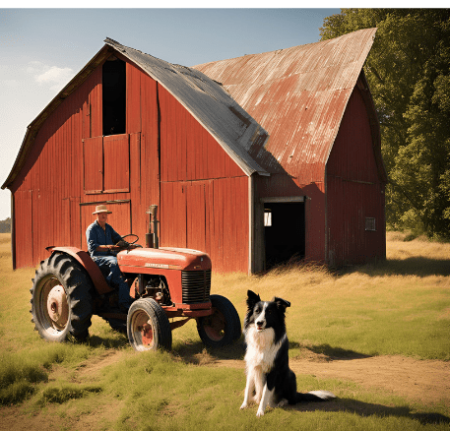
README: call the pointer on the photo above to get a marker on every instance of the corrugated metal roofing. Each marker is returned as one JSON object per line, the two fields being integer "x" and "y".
{"x": 208, "y": 102}
{"x": 234, "y": 129}
{"x": 299, "y": 96}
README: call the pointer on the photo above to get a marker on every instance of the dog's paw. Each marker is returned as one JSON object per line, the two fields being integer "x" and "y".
{"x": 259, "y": 413}
{"x": 244, "y": 406}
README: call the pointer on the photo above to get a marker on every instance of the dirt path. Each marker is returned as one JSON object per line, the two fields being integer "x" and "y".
{"x": 425, "y": 381}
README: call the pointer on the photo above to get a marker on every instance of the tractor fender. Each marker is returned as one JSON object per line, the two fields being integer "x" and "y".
{"x": 88, "y": 264}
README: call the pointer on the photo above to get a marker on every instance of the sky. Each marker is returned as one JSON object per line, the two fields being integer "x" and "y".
{"x": 41, "y": 50}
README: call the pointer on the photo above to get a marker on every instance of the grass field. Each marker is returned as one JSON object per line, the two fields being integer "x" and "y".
{"x": 364, "y": 320}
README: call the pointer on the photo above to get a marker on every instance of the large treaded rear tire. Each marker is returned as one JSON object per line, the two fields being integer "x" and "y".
{"x": 148, "y": 327}
{"x": 221, "y": 328}
{"x": 61, "y": 277}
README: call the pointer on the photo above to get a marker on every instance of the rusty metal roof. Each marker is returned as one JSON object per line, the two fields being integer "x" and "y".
{"x": 299, "y": 96}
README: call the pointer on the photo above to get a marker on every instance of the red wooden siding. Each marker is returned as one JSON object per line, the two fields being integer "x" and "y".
{"x": 116, "y": 152}
{"x": 348, "y": 205}
{"x": 173, "y": 213}
{"x": 204, "y": 194}
{"x": 24, "y": 219}
{"x": 55, "y": 178}
{"x": 93, "y": 165}
{"x": 354, "y": 192}
{"x": 69, "y": 171}
{"x": 211, "y": 216}
{"x": 188, "y": 151}
{"x": 352, "y": 156}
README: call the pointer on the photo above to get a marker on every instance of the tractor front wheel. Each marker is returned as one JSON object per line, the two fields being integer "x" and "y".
{"x": 61, "y": 302}
{"x": 223, "y": 326}
{"x": 148, "y": 327}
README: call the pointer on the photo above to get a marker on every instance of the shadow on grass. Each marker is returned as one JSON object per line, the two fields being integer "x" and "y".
{"x": 336, "y": 352}
{"x": 113, "y": 342}
{"x": 196, "y": 352}
{"x": 420, "y": 266}
{"x": 363, "y": 409}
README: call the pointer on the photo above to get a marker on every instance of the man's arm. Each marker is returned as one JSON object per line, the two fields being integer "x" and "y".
{"x": 114, "y": 235}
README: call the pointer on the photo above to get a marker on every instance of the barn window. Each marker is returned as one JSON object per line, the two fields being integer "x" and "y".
{"x": 370, "y": 223}
{"x": 114, "y": 96}
{"x": 267, "y": 217}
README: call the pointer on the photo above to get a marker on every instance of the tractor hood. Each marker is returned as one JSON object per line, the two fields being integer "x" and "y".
{"x": 165, "y": 258}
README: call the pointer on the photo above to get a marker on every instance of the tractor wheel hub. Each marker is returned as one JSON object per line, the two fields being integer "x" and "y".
{"x": 57, "y": 306}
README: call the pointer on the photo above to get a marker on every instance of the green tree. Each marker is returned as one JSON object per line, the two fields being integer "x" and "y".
{"x": 5, "y": 225}
{"x": 408, "y": 70}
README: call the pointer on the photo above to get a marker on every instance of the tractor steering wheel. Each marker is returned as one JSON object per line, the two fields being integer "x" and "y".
{"x": 130, "y": 234}
{"x": 124, "y": 244}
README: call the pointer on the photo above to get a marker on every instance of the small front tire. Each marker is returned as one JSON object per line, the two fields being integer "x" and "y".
{"x": 148, "y": 327}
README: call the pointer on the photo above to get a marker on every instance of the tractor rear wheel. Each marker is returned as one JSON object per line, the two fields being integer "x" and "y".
{"x": 61, "y": 301}
{"x": 223, "y": 326}
{"x": 148, "y": 327}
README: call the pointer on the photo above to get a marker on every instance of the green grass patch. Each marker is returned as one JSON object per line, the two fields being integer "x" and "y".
{"x": 65, "y": 392}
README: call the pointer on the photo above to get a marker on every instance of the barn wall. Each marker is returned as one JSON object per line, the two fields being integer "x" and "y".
{"x": 354, "y": 192}
{"x": 71, "y": 168}
{"x": 204, "y": 194}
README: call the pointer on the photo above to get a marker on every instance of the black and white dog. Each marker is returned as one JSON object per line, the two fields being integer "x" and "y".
{"x": 266, "y": 357}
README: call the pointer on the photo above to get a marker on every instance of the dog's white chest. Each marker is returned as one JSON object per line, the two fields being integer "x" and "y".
{"x": 261, "y": 349}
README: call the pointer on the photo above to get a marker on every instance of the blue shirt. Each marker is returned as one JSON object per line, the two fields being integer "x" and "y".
{"x": 95, "y": 236}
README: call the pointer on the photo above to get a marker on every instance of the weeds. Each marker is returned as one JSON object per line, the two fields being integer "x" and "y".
{"x": 66, "y": 392}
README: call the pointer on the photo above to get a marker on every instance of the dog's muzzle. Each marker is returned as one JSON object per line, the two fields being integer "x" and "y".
{"x": 260, "y": 325}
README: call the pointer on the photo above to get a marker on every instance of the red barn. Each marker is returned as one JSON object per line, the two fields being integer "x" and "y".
{"x": 252, "y": 159}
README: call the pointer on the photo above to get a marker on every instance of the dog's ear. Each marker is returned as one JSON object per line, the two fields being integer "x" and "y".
{"x": 252, "y": 299}
{"x": 282, "y": 304}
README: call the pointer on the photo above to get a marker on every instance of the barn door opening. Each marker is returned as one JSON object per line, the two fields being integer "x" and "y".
{"x": 284, "y": 232}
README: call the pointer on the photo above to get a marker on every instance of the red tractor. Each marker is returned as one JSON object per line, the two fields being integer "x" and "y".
{"x": 166, "y": 283}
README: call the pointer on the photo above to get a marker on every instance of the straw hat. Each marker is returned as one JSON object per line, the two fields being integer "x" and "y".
{"x": 101, "y": 209}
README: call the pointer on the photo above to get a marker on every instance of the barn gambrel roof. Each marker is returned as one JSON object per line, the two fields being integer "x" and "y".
{"x": 299, "y": 95}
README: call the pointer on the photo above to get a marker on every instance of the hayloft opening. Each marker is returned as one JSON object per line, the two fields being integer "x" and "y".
{"x": 114, "y": 96}
{"x": 284, "y": 229}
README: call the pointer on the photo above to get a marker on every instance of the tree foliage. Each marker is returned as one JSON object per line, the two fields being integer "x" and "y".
{"x": 5, "y": 225}
{"x": 408, "y": 70}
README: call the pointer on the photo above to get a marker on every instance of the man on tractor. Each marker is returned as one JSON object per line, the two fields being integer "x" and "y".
{"x": 102, "y": 242}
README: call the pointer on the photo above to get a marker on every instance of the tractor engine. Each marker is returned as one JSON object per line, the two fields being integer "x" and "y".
{"x": 174, "y": 277}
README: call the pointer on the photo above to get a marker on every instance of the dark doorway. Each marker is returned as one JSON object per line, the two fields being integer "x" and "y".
{"x": 114, "y": 96}
{"x": 284, "y": 229}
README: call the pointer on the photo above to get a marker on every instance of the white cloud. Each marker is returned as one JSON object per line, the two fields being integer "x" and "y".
{"x": 52, "y": 76}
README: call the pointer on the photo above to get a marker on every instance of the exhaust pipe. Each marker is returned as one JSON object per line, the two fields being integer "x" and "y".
{"x": 151, "y": 238}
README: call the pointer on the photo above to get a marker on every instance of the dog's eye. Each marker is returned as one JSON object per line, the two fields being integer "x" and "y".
{"x": 269, "y": 311}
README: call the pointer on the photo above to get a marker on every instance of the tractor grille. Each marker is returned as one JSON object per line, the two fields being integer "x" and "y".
{"x": 196, "y": 286}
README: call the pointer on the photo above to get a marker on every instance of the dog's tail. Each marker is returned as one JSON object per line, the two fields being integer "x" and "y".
{"x": 314, "y": 396}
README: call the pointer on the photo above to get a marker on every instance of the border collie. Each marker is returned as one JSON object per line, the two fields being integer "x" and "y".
{"x": 267, "y": 363}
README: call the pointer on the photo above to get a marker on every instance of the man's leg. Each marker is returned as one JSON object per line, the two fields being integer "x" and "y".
{"x": 115, "y": 279}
